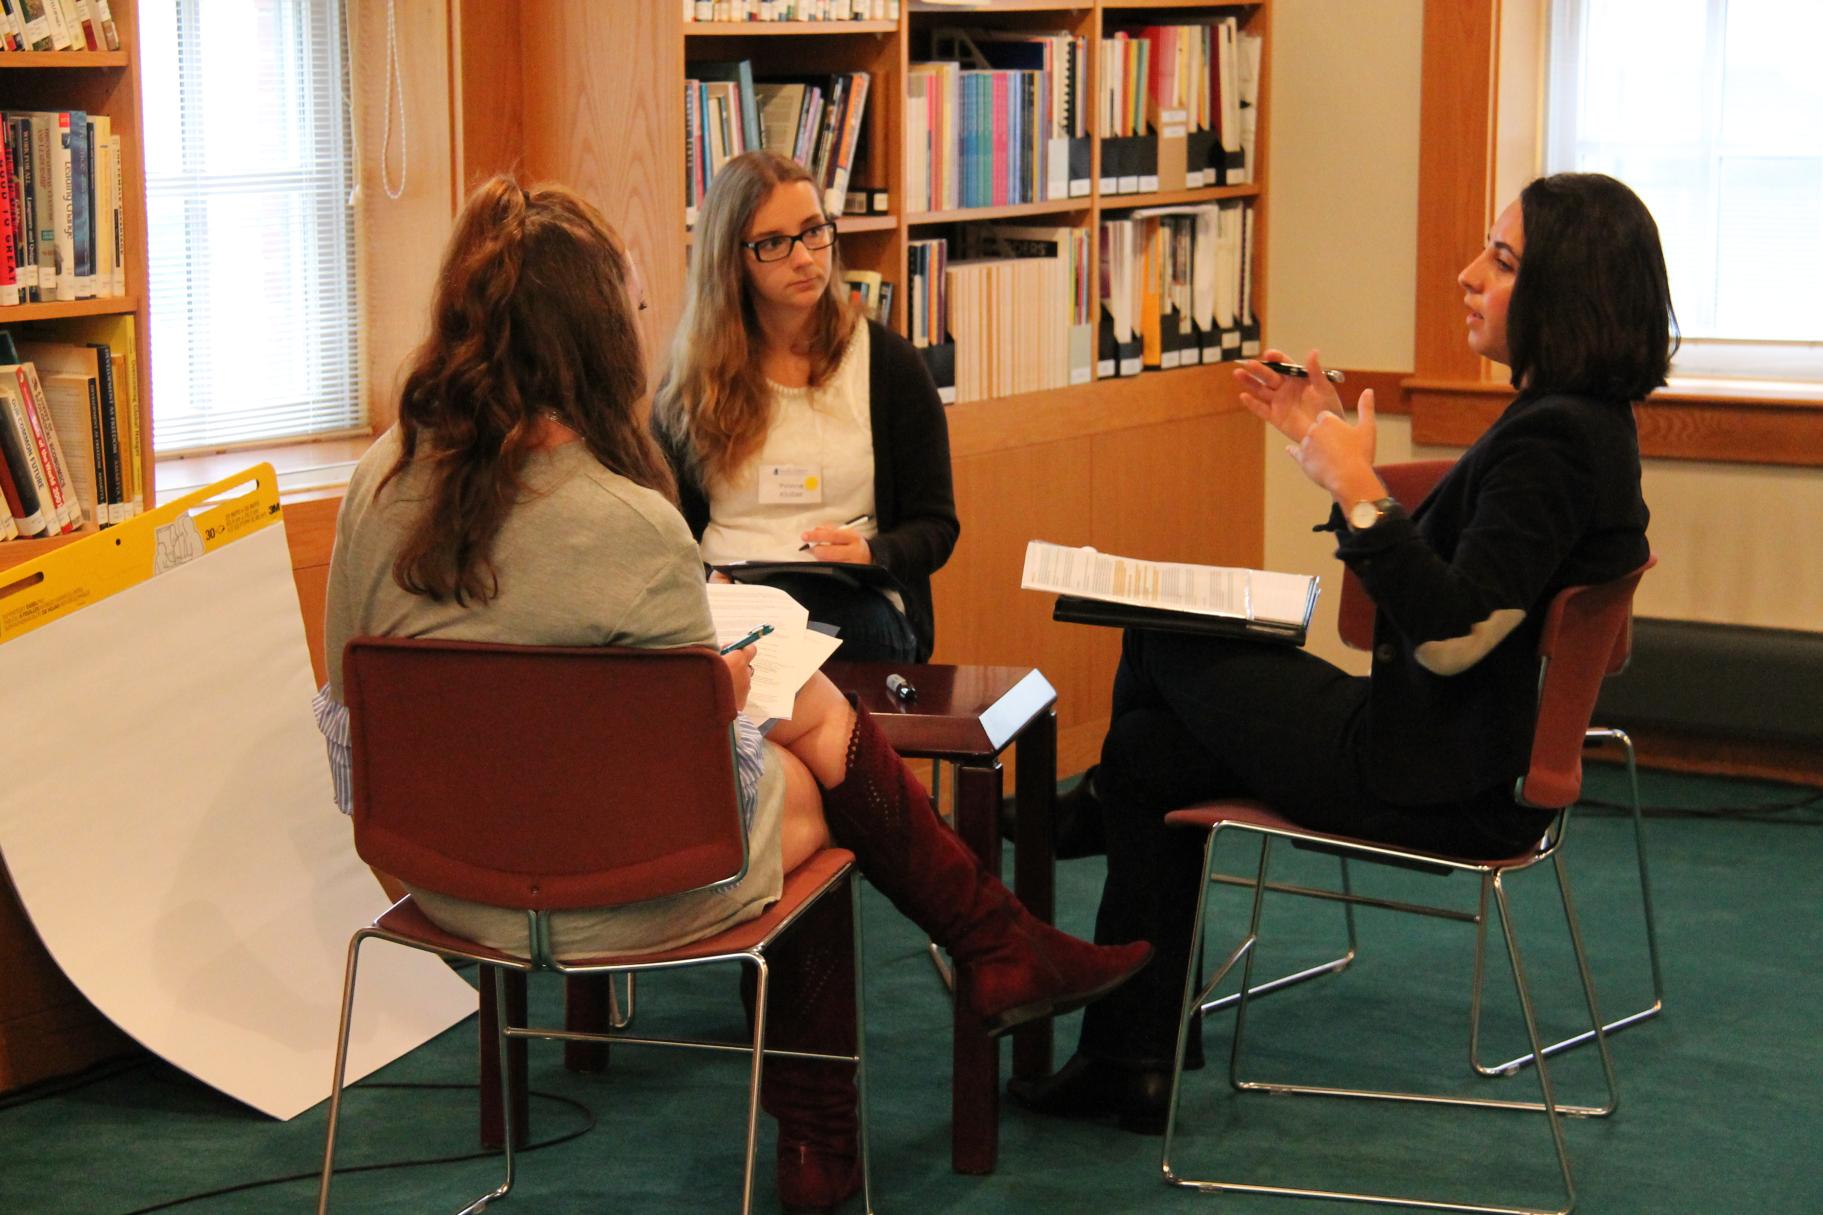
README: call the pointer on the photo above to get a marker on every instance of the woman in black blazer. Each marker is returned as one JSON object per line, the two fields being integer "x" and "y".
{"x": 1571, "y": 293}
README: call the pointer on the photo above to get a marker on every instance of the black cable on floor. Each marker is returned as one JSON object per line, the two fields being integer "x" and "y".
{"x": 315, "y": 1174}
{"x": 44, "y": 1090}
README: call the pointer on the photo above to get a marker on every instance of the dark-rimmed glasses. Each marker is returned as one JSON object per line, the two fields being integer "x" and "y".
{"x": 778, "y": 248}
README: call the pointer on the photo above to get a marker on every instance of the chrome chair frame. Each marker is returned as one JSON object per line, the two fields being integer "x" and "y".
{"x": 757, "y": 1049}
{"x": 1492, "y": 880}
{"x": 1599, "y": 734}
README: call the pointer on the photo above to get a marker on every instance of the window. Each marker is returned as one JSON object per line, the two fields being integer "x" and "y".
{"x": 249, "y": 224}
{"x": 1712, "y": 110}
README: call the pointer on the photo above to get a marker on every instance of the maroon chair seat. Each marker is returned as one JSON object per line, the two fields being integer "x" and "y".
{"x": 553, "y": 779}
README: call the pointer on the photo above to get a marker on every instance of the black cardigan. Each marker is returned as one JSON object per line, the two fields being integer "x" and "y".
{"x": 914, "y": 502}
{"x": 1548, "y": 497}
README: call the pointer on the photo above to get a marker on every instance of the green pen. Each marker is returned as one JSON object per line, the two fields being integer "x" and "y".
{"x": 748, "y": 640}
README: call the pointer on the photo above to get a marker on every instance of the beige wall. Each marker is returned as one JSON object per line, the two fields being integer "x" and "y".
{"x": 1343, "y": 237}
{"x": 1736, "y": 542}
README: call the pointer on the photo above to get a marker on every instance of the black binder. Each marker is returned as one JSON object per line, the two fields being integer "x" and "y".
{"x": 1072, "y": 609}
{"x": 848, "y": 574}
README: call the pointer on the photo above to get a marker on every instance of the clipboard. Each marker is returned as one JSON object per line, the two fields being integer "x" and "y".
{"x": 1073, "y": 609}
{"x": 848, "y": 574}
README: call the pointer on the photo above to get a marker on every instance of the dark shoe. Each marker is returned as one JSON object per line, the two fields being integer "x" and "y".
{"x": 1136, "y": 1097}
{"x": 1018, "y": 968}
{"x": 813, "y": 1180}
{"x": 1076, "y": 818}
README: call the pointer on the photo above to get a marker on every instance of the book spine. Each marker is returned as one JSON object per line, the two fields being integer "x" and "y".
{"x": 117, "y": 217}
{"x": 44, "y": 471}
{"x": 104, "y": 19}
{"x": 31, "y": 280}
{"x": 63, "y": 207}
{"x": 37, "y": 25}
{"x": 10, "y": 25}
{"x": 134, "y": 458}
{"x": 28, "y": 513}
{"x": 74, "y": 507}
{"x": 82, "y": 203}
{"x": 9, "y": 227}
{"x": 98, "y": 454}
{"x": 109, "y": 430}
{"x": 60, "y": 29}
{"x": 85, "y": 20}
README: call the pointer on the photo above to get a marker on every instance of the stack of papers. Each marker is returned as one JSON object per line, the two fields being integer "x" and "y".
{"x": 783, "y": 660}
{"x": 1277, "y": 603}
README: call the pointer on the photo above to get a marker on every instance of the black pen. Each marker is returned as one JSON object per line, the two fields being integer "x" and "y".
{"x": 901, "y": 687}
{"x": 748, "y": 640}
{"x": 857, "y": 521}
{"x": 1301, "y": 372}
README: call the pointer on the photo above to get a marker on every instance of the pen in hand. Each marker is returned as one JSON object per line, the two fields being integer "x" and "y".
{"x": 748, "y": 640}
{"x": 857, "y": 521}
{"x": 1299, "y": 371}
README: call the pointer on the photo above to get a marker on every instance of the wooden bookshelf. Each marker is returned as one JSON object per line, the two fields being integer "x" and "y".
{"x": 1164, "y": 465}
{"x": 98, "y": 82}
{"x": 46, "y": 1027}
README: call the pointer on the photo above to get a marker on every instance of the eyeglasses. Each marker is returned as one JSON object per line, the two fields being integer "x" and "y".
{"x": 778, "y": 248}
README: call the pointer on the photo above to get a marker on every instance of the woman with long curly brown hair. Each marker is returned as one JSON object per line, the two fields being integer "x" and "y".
{"x": 521, "y": 500}
{"x": 797, "y": 429}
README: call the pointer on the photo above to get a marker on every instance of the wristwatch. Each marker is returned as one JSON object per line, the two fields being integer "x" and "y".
{"x": 1365, "y": 514}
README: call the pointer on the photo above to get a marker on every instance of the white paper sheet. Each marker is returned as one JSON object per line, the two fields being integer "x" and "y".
{"x": 1210, "y": 590}
{"x": 168, "y": 820}
{"x": 783, "y": 660}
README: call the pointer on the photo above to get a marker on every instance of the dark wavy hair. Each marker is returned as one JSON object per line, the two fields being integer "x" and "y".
{"x": 1591, "y": 309}
{"x": 532, "y": 314}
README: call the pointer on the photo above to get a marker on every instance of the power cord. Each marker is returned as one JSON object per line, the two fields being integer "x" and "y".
{"x": 314, "y": 1174}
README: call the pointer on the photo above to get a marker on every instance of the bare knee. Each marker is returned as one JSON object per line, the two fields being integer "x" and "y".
{"x": 802, "y": 831}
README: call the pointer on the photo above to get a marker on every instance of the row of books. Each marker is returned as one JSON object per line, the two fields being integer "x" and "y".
{"x": 1177, "y": 288}
{"x": 871, "y": 292}
{"x": 61, "y": 218}
{"x": 1198, "y": 82}
{"x": 69, "y": 436}
{"x": 58, "y": 25}
{"x": 791, "y": 10}
{"x": 818, "y": 121}
{"x": 1000, "y": 118}
{"x": 1014, "y": 314}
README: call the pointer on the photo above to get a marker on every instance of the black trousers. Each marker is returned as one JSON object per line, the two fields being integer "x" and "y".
{"x": 872, "y": 629}
{"x": 1196, "y": 718}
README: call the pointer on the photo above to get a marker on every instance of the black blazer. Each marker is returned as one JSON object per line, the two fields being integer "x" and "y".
{"x": 1548, "y": 497}
{"x": 914, "y": 500}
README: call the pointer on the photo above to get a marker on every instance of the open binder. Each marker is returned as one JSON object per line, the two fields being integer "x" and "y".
{"x": 1126, "y": 592}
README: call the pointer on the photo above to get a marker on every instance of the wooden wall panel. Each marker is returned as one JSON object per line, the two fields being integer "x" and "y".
{"x": 310, "y": 535}
{"x": 602, "y": 83}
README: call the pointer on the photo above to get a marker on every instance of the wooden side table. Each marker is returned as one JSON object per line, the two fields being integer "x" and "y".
{"x": 968, "y": 716}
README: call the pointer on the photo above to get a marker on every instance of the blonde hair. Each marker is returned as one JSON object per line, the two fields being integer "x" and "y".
{"x": 714, "y": 404}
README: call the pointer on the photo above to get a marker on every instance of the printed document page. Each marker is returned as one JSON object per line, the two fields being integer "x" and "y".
{"x": 1209, "y": 590}
{"x": 784, "y": 659}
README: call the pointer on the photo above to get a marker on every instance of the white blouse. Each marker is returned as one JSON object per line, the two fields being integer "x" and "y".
{"x": 818, "y": 456}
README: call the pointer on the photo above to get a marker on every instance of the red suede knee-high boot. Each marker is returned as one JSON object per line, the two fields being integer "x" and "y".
{"x": 811, "y": 1006}
{"x": 1019, "y": 967}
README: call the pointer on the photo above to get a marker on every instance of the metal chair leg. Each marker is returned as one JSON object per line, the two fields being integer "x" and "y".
{"x": 1333, "y": 967}
{"x": 619, "y": 1016}
{"x": 756, "y": 1073}
{"x": 946, "y": 973}
{"x": 338, "y": 1083}
{"x": 867, "y": 1185}
{"x": 1510, "y": 1066}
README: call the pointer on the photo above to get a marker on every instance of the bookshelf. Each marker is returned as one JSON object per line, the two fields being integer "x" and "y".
{"x": 98, "y": 82}
{"x": 1165, "y": 465}
{"x": 46, "y": 1027}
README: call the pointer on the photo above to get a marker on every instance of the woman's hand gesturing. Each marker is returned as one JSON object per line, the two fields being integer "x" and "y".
{"x": 1289, "y": 404}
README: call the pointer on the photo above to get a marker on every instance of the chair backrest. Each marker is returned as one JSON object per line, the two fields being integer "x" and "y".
{"x": 1585, "y": 631}
{"x": 542, "y": 778}
{"x": 1410, "y": 482}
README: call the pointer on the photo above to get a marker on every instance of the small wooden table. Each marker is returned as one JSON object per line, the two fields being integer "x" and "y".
{"x": 967, "y": 716}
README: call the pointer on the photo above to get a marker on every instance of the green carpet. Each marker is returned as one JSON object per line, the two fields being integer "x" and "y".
{"x": 1719, "y": 1098}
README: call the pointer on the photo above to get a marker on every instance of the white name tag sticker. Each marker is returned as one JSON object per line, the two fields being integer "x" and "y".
{"x": 781, "y": 483}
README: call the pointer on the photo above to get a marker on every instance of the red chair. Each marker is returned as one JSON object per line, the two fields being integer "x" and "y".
{"x": 546, "y": 779}
{"x": 1582, "y": 631}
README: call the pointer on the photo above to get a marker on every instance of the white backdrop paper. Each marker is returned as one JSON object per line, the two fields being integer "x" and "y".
{"x": 168, "y": 819}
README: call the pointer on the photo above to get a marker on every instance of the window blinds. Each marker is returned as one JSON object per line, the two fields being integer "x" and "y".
{"x": 1692, "y": 104}
{"x": 249, "y": 228}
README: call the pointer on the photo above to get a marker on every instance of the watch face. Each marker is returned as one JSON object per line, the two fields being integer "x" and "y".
{"x": 1363, "y": 515}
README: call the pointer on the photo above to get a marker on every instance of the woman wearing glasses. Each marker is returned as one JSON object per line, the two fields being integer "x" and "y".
{"x": 797, "y": 429}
